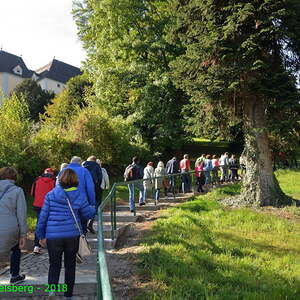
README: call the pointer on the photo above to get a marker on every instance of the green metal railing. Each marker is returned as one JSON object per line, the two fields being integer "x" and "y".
{"x": 104, "y": 290}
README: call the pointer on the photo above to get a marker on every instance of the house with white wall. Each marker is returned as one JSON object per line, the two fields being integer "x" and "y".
{"x": 52, "y": 77}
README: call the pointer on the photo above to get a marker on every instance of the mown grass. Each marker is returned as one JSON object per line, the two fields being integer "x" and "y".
{"x": 207, "y": 142}
{"x": 200, "y": 250}
{"x": 290, "y": 182}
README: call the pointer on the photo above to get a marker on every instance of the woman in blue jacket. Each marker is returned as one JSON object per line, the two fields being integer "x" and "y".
{"x": 57, "y": 227}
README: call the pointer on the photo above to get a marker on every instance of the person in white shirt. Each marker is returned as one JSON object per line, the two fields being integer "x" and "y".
{"x": 224, "y": 165}
{"x": 149, "y": 184}
{"x": 105, "y": 178}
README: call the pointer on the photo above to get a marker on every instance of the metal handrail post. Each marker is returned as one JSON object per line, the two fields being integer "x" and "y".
{"x": 112, "y": 234}
{"x": 104, "y": 288}
{"x": 115, "y": 210}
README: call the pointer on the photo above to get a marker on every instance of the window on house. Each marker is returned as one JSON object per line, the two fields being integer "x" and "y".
{"x": 18, "y": 70}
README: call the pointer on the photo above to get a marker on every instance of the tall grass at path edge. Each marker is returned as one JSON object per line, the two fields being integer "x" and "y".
{"x": 201, "y": 250}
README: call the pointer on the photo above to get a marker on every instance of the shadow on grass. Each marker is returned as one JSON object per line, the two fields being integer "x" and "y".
{"x": 202, "y": 277}
{"x": 186, "y": 260}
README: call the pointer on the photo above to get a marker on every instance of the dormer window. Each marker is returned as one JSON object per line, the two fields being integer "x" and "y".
{"x": 18, "y": 70}
{"x": 35, "y": 77}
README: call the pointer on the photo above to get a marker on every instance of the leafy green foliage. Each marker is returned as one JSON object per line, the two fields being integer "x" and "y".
{"x": 128, "y": 62}
{"x": 15, "y": 135}
{"x": 35, "y": 97}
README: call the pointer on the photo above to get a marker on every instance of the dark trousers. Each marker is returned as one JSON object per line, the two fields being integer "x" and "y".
{"x": 199, "y": 183}
{"x": 36, "y": 241}
{"x": 15, "y": 260}
{"x": 234, "y": 174}
{"x": 186, "y": 182}
{"x": 56, "y": 247}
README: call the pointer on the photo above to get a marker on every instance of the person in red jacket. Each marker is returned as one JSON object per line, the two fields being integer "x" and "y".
{"x": 40, "y": 188}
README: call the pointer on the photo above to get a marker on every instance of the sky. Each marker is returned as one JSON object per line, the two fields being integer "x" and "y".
{"x": 39, "y": 30}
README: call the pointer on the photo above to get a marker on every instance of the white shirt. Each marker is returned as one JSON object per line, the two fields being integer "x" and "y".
{"x": 105, "y": 180}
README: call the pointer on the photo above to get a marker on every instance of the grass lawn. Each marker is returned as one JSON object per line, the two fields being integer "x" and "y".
{"x": 200, "y": 250}
{"x": 207, "y": 142}
{"x": 290, "y": 182}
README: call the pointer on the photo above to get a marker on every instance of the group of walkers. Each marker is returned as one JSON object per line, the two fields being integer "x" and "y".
{"x": 73, "y": 197}
{"x": 207, "y": 168}
{"x": 60, "y": 202}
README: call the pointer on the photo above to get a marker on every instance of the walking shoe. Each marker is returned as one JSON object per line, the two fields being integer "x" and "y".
{"x": 90, "y": 227}
{"x": 17, "y": 279}
{"x": 141, "y": 204}
{"x": 37, "y": 250}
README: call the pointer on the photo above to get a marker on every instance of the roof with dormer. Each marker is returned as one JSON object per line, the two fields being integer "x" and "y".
{"x": 8, "y": 62}
{"x": 58, "y": 71}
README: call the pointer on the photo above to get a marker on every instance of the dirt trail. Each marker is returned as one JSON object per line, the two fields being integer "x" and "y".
{"x": 122, "y": 262}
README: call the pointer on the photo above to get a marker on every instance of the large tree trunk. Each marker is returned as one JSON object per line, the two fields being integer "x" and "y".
{"x": 260, "y": 186}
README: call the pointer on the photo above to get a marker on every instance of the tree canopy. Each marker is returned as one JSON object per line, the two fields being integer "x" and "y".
{"x": 128, "y": 62}
{"x": 241, "y": 58}
{"x": 35, "y": 97}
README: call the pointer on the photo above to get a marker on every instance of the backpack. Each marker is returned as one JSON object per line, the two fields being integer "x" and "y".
{"x": 96, "y": 173}
{"x": 129, "y": 173}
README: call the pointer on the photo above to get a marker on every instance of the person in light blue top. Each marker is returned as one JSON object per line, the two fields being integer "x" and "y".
{"x": 57, "y": 227}
{"x": 207, "y": 169}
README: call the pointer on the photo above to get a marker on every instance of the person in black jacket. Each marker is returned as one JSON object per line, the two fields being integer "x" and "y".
{"x": 233, "y": 166}
{"x": 95, "y": 170}
{"x": 172, "y": 167}
{"x": 134, "y": 172}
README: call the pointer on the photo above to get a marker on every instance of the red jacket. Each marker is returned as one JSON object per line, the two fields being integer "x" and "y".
{"x": 185, "y": 165}
{"x": 40, "y": 188}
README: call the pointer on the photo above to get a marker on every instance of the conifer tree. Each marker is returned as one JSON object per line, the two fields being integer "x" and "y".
{"x": 243, "y": 57}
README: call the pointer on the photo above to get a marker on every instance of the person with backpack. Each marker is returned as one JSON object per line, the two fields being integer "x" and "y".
{"x": 215, "y": 170}
{"x": 224, "y": 164}
{"x": 207, "y": 167}
{"x": 86, "y": 185}
{"x": 172, "y": 167}
{"x": 200, "y": 177}
{"x": 13, "y": 222}
{"x": 134, "y": 172}
{"x": 200, "y": 160}
{"x": 148, "y": 184}
{"x": 233, "y": 166}
{"x": 105, "y": 178}
{"x": 64, "y": 207}
{"x": 95, "y": 170}
{"x": 159, "y": 182}
{"x": 40, "y": 188}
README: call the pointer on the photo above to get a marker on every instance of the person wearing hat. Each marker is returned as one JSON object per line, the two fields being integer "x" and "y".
{"x": 40, "y": 188}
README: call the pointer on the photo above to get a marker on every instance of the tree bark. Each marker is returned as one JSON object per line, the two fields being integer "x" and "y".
{"x": 260, "y": 186}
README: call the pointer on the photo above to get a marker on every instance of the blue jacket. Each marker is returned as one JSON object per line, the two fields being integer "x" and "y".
{"x": 56, "y": 220}
{"x": 86, "y": 183}
{"x": 208, "y": 165}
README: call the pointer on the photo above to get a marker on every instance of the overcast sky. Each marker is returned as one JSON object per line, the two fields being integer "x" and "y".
{"x": 39, "y": 30}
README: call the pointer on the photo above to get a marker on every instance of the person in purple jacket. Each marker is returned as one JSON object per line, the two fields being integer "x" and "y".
{"x": 57, "y": 228}
{"x": 86, "y": 185}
